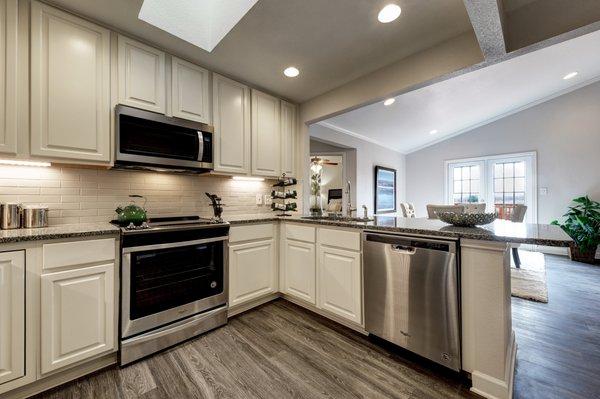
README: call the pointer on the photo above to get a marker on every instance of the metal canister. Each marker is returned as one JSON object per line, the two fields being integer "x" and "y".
{"x": 34, "y": 216}
{"x": 10, "y": 215}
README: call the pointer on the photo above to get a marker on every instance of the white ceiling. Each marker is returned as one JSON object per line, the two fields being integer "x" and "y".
{"x": 459, "y": 104}
{"x": 331, "y": 41}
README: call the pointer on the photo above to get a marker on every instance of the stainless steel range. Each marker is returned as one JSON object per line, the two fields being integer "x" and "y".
{"x": 173, "y": 283}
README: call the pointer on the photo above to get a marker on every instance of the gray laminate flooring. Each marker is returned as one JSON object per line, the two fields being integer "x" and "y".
{"x": 281, "y": 351}
{"x": 276, "y": 351}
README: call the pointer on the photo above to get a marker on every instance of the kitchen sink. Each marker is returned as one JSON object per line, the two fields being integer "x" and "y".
{"x": 338, "y": 218}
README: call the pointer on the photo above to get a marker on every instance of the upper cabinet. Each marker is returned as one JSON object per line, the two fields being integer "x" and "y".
{"x": 288, "y": 138}
{"x": 141, "y": 76}
{"x": 231, "y": 117}
{"x": 8, "y": 76}
{"x": 266, "y": 135}
{"x": 70, "y": 86}
{"x": 189, "y": 94}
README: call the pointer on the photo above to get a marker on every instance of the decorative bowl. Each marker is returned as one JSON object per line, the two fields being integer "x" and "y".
{"x": 467, "y": 219}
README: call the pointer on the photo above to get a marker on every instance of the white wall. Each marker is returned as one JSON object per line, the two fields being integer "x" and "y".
{"x": 368, "y": 155}
{"x": 564, "y": 131}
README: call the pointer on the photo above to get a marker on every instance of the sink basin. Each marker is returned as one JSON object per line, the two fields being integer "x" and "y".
{"x": 338, "y": 218}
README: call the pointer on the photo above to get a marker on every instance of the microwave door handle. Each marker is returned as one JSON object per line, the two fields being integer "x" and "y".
{"x": 200, "y": 146}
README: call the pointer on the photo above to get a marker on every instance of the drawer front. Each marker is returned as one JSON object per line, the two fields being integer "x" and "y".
{"x": 65, "y": 254}
{"x": 300, "y": 233}
{"x": 340, "y": 238}
{"x": 251, "y": 232}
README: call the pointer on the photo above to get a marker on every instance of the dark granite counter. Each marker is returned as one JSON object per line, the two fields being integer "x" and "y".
{"x": 61, "y": 231}
{"x": 499, "y": 230}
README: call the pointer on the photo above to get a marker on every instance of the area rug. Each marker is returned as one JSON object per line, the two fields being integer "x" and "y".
{"x": 529, "y": 282}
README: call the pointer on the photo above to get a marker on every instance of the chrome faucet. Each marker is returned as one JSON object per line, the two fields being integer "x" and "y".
{"x": 349, "y": 208}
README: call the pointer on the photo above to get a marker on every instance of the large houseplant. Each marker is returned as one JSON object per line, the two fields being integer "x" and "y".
{"x": 582, "y": 224}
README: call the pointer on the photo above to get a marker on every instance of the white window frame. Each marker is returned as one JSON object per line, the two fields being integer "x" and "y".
{"x": 487, "y": 179}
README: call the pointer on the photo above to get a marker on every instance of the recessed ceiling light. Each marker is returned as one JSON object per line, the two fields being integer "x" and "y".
{"x": 389, "y": 13}
{"x": 434, "y": 131}
{"x": 291, "y": 72}
{"x": 389, "y": 101}
{"x": 570, "y": 75}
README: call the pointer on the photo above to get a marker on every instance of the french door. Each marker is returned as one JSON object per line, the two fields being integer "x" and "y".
{"x": 501, "y": 182}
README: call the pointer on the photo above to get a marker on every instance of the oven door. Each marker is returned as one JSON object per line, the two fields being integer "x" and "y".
{"x": 164, "y": 283}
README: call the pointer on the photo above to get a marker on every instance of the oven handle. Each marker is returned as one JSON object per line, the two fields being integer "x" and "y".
{"x": 173, "y": 244}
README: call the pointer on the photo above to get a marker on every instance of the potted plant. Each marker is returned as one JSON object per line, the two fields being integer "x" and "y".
{"x": 582, "y": 224}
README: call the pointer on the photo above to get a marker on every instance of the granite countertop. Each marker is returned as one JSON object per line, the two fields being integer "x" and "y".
{"x": 60, "y": 231}
{"x": 499, "y": 230}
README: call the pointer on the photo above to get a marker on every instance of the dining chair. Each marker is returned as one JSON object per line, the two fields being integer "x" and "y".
{"x": 433, "y": 209}
{"x": 475, "y": 208}
{"x": 408, "y": 209}
{"x": 517, "y": 216}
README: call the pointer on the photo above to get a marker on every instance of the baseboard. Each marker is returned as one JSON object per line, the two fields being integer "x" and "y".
{"x": 241, "y": 308}
{"x": 60, "y": 378}
{"x": 493, "y": 388}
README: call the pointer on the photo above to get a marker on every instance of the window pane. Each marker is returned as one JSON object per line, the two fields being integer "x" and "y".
{"x": 520, "y": 184}
{"x": 520, "y": 169}
{"x": 475, "y": 172}
{"x": 498, "y": 170}
{"x": 508, "y": 184}
{"x": 497, "y": 198}
{"x": 457, "y": 175}
{"x": 457, "y": 186}
{"x": 466, "y": 172}
{"x": 519, "y": 198}
{"x": 498, "y": 185}
{"x": 508, "y": 198}
{"x": 456, "y": 198}
{"x": 475, "y": 186}
{"x": 509, "y": 169}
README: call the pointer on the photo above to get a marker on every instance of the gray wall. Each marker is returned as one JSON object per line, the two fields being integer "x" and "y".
{"x": 367, "y": 156}
{"x": 564, "y": 131}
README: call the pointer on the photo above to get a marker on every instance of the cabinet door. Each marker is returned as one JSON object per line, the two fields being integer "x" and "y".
{"x": 77, "y": 315}
{"x": 141, "y": 76}
{"x": 189, "y": 96}
{"x": 12, "y": 315}
{"x": 70, "y": 85}
{"x": 252, "y": 271}
{"x": 266, "y": 137}
{"x": 300, "y": 273}
{"x": 231, "y": 118}
{"x": 288, "y": 138}
{"x": 339, "y": 280}
{"x": 8, "y": 76}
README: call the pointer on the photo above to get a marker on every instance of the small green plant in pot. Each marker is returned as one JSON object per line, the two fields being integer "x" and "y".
{"x": 582, "y": 224}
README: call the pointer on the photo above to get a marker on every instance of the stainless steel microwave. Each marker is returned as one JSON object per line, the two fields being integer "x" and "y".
{"x": 147, "y": 140}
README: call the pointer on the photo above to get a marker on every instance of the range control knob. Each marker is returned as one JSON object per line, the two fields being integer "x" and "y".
{"x": 213, "y": 284}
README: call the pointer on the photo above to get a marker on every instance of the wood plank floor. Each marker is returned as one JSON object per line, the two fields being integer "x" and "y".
{"x": 282, "y": 351}
{"x": 558, "y": 352}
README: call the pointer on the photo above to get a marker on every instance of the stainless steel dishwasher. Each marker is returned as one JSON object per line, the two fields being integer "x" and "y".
{"x": 412, "y": 295}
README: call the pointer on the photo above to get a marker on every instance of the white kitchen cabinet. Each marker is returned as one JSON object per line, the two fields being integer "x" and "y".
{"x": 12, "y": 315}
{"x": 252, "y": 271}
{"x": 266, "y": 135}
{"x": 231, "y": 118}
{"x": 141, "y": 76}
{"x": 8, "y": 76}
{"x": 288, "y": 138}
{"x": 189, "y": 93}
{"x": 70, "y": 86}
{"x": 339, "y": 281}
{"x": 300, "y": 270}
{"x": 77, "y": 315}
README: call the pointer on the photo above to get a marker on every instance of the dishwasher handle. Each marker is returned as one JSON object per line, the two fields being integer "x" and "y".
{"x": 403, "y": 249}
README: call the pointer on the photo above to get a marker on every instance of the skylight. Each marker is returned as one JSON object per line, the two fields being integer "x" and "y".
{"x": 204, "y": 23}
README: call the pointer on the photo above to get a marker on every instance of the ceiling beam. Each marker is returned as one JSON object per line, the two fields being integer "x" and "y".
{"x": 487, "y": 17}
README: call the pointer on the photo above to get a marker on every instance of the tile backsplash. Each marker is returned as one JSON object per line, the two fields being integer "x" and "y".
{"x": 79, "y": 195}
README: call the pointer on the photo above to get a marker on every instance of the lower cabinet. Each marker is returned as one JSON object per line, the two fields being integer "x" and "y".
{"x": 77, "y": 315}
{"x": 252, "y": 271}
{"x": 12, "y": 315}
{"x": 300, "y": 270}
{"x": 340, "y": 282}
